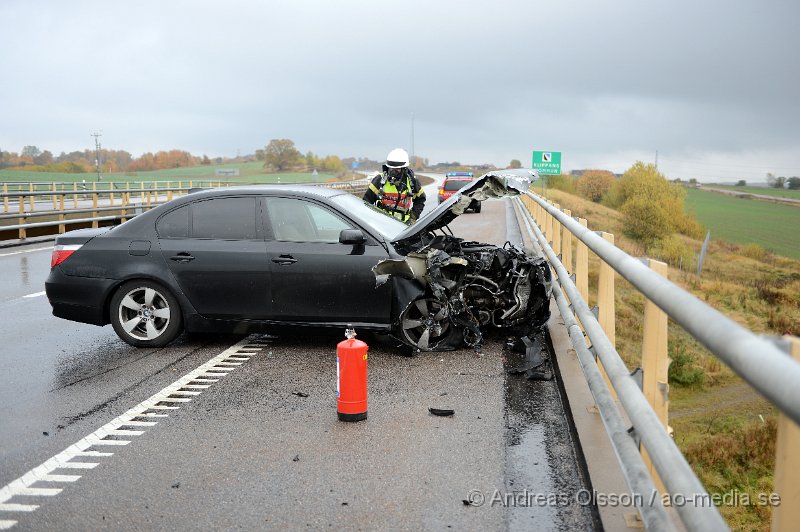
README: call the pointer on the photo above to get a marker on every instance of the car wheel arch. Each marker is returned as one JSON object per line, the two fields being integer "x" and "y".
{"x": 184, "y": 304}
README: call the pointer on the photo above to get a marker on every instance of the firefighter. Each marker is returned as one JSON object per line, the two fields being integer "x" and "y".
{"x": 397, "y": 190}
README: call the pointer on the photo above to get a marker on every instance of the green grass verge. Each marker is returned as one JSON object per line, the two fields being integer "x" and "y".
{"x": 746, "y": 221}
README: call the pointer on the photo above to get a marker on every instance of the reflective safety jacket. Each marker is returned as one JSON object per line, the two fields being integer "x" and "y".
{"x": 404, "y": 203}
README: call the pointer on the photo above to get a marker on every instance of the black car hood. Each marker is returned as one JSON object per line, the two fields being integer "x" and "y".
{"x": 497, "y": 184}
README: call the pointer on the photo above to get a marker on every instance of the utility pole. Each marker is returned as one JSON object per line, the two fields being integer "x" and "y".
{"x": 413, "y": 160}
{"x": 97, "y": 153}
{"x": 656, "y": 159}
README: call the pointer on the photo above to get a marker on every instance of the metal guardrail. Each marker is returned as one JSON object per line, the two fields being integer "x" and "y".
{"x": 772, "y": 372}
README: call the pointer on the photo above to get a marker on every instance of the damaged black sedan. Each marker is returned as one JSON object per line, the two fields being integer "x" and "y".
{"x": 259, "y": 258}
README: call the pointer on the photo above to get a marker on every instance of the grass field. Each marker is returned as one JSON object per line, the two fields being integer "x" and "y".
{"x": 251, "y": 172}
{"x": 764, "y": 191}
{"x": 746, "y": 221}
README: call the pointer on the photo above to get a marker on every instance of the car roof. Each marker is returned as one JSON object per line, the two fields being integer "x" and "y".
{"x": 302, "y": 190}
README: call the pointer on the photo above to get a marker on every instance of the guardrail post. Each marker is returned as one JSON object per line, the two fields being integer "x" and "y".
{"x": 655, "y": 365}
{"x": 75, "y": 195}
{"x": 169, "y": 190}
{"x": 125, "y": 199}
{"x": 55, "y": 199}
{"x": 566, "y": 245}
{"x": 111, "y": 197}
{"x": 556, "y": 233}
{"x": 5, "y": 197}
{"x": 95, "y": 225}
{"x": 582, "y": 266}
{"x": 605, "y": 296}
{"x": 61, "y": 227}
{"x": 32, "y": 189}
{"x": 21, "y": 203}
{"x": 548, "y": 226}
{"x": 787, "y": 465}
{"x": 142, "y": 191}
{"x": 149, "y": 196}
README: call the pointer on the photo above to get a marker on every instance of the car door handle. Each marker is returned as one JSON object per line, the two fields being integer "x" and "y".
{"x": 284, "y": 260}
{"x": 182, "y": 257}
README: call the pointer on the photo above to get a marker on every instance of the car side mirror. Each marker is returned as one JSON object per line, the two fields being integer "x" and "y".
{"x": 352, "y": 237}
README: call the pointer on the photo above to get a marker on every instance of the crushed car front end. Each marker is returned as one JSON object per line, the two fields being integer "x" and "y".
{"x": 468, "y": 286}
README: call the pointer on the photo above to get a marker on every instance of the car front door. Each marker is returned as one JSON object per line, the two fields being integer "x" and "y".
{"x": 217, "y": 254}
{"x": 314, "y": 278}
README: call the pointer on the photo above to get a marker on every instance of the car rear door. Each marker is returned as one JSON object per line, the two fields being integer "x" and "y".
{"x": 216, "y": 251}
{"x": 314, "y": 278}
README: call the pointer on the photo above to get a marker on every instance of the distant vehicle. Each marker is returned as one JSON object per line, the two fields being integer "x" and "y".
{"x": 257, "y": 258}
{"x": 455, "y": 181}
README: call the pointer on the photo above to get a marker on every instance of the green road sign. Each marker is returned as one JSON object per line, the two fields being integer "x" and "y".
{"x": 547, "y": 162}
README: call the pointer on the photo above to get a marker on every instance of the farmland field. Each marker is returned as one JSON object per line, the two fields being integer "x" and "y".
{"x": 746, "y": 221}
{"x": 251, "y": 172}
{"x": 764, "y": 191}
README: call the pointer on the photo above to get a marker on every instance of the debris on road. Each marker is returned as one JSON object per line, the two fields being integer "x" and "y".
{"x": 444, "y": 412}
{"x": 300, "y": 394}
{"x": 536, "y": 366}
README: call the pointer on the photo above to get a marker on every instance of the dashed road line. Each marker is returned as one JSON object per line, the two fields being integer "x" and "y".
{"x": 24, "y": 251}
{"x": 131, "y": 424}
{"x": 37, "y": 294}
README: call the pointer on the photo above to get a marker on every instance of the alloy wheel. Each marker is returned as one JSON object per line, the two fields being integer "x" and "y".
{"x": 144, "y": 313}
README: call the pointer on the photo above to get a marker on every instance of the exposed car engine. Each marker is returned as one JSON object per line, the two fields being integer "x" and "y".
{"x": 470, "y": 285}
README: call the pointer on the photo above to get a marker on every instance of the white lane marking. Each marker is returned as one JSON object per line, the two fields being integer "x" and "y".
{"x": 44, "y": 472}
{"x": 18, "y": 507}
{"x": 37, "y": 294}
{"x": 25, "y": 251}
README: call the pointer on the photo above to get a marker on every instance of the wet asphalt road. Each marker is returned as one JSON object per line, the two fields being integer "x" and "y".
{"x": 250, "y": 451}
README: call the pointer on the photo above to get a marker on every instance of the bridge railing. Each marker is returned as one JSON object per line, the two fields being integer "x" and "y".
{"x": 126, "y": 200}
{"x": 761, "y": 361}
{"x": 22, "y": 202}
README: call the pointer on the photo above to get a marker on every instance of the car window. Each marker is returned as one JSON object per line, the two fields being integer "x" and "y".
{"x": 373, "y": 217}
{"x": 454, "y": 184}
{"x": 299, "y": 220}
{"x": 224, "y": 218}
{"x": 174, "y": 224}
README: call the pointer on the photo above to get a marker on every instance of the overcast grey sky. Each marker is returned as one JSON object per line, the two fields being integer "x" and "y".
{"x": 712, "y": 85}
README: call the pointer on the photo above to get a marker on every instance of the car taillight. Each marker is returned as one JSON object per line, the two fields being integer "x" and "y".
{"x": 62, "y": 253}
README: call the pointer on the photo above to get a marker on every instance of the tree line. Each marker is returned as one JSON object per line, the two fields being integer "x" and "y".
{"x": 32, "y": 159}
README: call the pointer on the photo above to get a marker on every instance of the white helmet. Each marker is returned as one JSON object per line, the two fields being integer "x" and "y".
{"x": 397, "y": 158}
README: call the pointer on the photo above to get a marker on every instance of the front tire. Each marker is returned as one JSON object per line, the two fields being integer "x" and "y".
{"x": 145, "y": 314}
{"x": 425, "y": 325}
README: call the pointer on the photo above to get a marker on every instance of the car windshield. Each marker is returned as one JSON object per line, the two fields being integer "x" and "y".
{"x": 386, "y": 225}
{"x": 455, "y": 184}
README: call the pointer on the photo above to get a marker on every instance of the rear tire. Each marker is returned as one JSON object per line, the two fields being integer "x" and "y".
{"x": 145, "y": 314}
{"x": 478, "y": 208}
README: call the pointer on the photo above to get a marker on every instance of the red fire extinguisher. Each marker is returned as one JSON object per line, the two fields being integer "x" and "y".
{"x": 351, "y": 378}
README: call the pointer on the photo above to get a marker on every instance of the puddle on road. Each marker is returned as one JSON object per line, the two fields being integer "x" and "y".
{"x": 542, "y": 473}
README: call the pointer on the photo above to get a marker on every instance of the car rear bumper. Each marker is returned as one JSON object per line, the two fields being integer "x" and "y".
{"x": 78, "y": 298}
